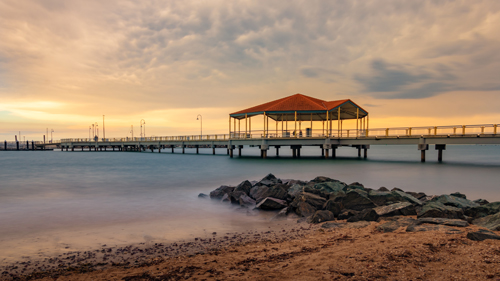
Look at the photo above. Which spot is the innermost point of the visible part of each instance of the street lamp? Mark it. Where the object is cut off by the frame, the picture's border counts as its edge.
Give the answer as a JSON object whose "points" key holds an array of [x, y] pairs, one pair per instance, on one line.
{"points": [[143, 125], [132, 131], [51, 131], [90, 129], [201, 124]]}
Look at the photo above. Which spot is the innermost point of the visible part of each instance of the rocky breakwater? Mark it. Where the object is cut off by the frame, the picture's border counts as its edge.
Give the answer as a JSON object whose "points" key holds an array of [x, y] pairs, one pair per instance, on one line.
{"points": [[324, 200]]}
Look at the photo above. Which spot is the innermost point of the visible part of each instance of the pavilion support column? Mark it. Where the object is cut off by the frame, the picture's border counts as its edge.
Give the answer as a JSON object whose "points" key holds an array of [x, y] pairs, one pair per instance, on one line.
{"points": [[295, 130], [440, 148]]}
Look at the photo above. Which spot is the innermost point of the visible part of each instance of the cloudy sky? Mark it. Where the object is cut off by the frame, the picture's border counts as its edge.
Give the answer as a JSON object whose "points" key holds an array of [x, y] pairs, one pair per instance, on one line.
{"points": [[64, 64]]}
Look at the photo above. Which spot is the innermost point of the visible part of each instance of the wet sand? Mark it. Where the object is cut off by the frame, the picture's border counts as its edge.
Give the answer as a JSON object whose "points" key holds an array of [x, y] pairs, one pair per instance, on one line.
{"points": [[287, 250]]}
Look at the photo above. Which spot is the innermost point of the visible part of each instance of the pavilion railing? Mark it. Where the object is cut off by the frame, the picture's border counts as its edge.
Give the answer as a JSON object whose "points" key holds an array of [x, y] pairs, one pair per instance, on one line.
{"points": [[428, 131]]}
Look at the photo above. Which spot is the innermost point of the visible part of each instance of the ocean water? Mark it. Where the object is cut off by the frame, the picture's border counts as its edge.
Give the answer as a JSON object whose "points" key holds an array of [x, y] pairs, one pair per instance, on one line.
{"points": [[52, 201]]}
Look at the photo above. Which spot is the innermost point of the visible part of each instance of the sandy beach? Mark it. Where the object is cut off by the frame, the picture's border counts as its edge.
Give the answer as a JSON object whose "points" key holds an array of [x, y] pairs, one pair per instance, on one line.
{"points": [[289, 250]]}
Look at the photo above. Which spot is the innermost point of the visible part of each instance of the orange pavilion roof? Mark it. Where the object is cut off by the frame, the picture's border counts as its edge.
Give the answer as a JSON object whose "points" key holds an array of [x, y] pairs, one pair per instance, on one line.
{"points": [[298, 102]]}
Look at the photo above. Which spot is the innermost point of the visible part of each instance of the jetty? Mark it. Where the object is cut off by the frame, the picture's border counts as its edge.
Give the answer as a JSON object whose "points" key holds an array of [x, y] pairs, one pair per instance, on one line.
{"points": [[295, 122]]}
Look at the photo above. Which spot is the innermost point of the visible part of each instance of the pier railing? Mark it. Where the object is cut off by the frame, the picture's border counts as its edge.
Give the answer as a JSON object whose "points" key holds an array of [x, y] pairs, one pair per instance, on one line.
{"points": [[426, 131]]}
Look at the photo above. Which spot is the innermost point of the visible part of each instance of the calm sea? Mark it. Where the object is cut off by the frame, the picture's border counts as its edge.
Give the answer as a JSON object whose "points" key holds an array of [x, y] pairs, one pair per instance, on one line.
{"points": [[52, 201]]}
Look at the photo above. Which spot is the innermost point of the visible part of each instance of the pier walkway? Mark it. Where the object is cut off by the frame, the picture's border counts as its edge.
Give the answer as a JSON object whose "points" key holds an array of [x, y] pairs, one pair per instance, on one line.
{"points": [[420, 137]]}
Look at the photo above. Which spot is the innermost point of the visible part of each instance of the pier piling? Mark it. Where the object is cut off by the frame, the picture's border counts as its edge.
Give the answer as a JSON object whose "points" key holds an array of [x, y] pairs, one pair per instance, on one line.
{"points": [[440, 148]]}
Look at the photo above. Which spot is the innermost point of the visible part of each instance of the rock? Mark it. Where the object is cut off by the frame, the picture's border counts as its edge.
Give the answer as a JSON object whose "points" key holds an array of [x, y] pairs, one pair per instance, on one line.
{"points": [[397, 189], [407, 197], [295, 189], [259, 192], [322, 216], [304, 209], [491, 222], [234, 196], [381, 198], [225, 198], [418, 195], [270, 203], [357, 200], [219, 192], [383, 188], [333, 225], [393, 225], [346, 214], [483, 210], [246, 201], [396, 209], [434, 209], [245, 186], [283, 214], [354, 185], [454, 201], [419, 228], [482, 235], [320, 179], [481, 202], [443, 221], [334, 207], [202, 195], [268, 180], [330, 187], [312, 199], [365, 215], [459, 195]]}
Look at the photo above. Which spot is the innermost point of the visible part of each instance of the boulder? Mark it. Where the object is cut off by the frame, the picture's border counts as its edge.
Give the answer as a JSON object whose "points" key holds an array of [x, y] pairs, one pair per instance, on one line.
{"points": [[246, 201], [334, 207], [245, 186], [320, 179], [346, 214], [433, 209], [202, 195], [225, 198], [295, 189], [396, 209], [418, 195], [383, 188], [312, 199], [322, 216], [491, 222], [304, 209], [481, 201], [394, 224], [354, 185], [357, 200], [454, 201], [365, 215], [482, 235], [259, 192], [397, 189], [443, 221], [219, 192], [381, 198], [268, 180], [330, 187], [459, 195], [270, 203], [234, 196], [483, 210], [407, 197]]}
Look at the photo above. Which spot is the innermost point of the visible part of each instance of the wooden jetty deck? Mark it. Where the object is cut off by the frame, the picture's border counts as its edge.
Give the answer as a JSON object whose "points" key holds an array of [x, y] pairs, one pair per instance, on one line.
{"points": [[420, 137]]}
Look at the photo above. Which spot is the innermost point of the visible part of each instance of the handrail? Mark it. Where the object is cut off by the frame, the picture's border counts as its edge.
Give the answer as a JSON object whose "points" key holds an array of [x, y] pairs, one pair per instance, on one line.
{"points": [[427, 131]]}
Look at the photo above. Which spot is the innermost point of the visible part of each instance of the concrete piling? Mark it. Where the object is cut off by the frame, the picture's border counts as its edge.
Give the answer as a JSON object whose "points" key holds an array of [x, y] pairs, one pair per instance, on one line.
{"points": [[440, 148]]}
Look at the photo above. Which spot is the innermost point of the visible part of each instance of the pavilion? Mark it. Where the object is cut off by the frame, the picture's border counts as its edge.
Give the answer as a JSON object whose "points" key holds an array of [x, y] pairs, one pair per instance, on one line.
{"points": [[300, 109]]}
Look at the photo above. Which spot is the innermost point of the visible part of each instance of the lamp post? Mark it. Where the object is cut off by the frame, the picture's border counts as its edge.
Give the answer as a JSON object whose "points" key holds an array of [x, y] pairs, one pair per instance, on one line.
{"points": [[51, 131], [143, 127], [132, 131], [201, 124], [90, 129], [103, 128]]}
